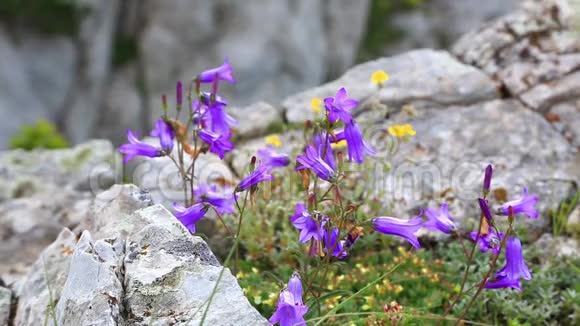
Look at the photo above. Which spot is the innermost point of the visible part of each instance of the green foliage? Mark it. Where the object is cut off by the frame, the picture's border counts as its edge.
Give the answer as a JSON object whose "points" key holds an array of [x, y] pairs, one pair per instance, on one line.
{"points": [[43, 134], [562, 213], [125, 50], [44, 16], [380, 30], [550, 298]]}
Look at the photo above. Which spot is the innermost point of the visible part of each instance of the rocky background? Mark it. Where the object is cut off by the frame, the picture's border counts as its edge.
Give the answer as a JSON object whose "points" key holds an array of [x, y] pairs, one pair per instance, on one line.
{"points": [[507, 92], [99, 67]]}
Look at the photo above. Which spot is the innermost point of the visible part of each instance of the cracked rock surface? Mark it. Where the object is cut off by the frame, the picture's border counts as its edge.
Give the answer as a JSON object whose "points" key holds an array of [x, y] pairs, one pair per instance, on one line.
{"points": [[134, 265]]}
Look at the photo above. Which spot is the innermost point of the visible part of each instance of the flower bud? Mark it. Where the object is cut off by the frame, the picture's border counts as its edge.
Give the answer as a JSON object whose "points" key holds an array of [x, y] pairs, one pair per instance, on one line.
{"points": [[485, 209], [179, 95], [164, 103], [487, 179]]}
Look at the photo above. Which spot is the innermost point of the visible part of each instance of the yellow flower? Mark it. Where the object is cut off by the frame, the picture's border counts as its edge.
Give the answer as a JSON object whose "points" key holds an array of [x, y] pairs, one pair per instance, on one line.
{"points": [[340, 145], [316, 104], [379, 77], [401, 130], [273, 140]]}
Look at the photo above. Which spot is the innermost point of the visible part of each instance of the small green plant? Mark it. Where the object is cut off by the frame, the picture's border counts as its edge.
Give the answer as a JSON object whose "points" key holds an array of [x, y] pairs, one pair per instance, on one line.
{"points": [[46, 16], [42, 134], [562, 213]]}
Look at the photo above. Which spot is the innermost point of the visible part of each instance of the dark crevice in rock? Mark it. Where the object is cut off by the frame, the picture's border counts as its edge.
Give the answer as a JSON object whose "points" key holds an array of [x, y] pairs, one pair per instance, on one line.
{"points": [[13, 308]]}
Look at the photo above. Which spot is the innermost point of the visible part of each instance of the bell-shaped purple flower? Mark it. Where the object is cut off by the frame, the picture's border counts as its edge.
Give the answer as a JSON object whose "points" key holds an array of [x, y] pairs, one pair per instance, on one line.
{"points": [[485, 209], [165, 133], [223, 202], [503, 283], [525, 205], [439, 219], [515, 266], [218, 144], [189, 216], [303, 221], [490, 241], [339, 106], [223, 72], [260, 174], [405, 229], [357, 146], [487, 179], [291, 309], [331, 243], [324, 167], [135, 147], [272, 159], [214, 114]]}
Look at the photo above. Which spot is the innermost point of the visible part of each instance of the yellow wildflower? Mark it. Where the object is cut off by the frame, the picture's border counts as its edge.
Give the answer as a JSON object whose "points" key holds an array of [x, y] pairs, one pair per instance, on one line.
{"points": [[401, 130], [379, 77], [316, 104], [273, 140], [340, 145]]}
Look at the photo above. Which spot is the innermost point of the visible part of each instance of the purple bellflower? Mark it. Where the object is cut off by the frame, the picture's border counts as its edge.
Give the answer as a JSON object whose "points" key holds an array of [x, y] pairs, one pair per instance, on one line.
{"points": [[405, 229], [214, 114], [260, 174], [504, 282], [357, 146], [165, 133], [525, 205], [308, 227], [439, 219], [323, 167], [218, 144], [223, 72], [189, 216], [331, 242], [223, 202], [290, 310], [490, 241], [515, 266], [272, 159], [135, 147], [339, 106]]}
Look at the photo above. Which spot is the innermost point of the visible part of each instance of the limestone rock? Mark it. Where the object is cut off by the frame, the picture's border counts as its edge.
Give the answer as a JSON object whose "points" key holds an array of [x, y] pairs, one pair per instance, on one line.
{"points": [[42, 191], [90, 166], [95, 35], [423, 78], [446, 159], [40, 290], [143, 268], [319, 41], [93, 293], [557, 247], [255, 119], [28, 225], [436, 23], [170, 274], [5, 305]]}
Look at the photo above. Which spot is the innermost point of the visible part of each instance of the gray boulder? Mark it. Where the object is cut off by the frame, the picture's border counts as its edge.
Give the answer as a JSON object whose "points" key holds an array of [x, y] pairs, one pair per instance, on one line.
{"points": [[5, 305], [423, 78], [143, 268]]}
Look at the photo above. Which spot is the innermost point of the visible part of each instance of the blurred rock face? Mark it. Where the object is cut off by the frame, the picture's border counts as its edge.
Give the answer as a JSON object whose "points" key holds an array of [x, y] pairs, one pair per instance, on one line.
{"points": [[276, 47]]}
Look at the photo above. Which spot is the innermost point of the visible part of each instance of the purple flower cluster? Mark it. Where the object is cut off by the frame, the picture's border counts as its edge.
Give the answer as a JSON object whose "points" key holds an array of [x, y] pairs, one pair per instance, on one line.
{"points": [[319, 157], [163, 131], [314, 228], [290, 310]]}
